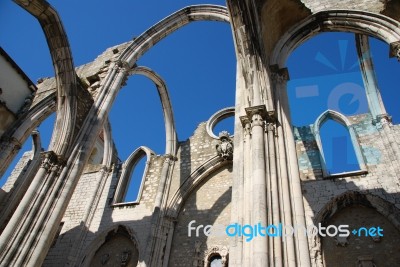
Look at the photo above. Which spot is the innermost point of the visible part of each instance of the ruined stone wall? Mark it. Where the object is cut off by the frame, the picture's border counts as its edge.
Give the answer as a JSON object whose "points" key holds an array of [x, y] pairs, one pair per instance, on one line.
{"points": [[13, 179], [207, 205], [322, 196], [91, 213]]}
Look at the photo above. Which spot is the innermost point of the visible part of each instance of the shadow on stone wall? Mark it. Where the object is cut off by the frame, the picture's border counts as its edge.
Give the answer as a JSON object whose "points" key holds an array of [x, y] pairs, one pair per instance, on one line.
{"points": [[356, 207]]}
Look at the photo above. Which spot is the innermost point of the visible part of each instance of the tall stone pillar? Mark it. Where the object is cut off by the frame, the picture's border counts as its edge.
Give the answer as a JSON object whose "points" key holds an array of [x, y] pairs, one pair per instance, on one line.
{"points": [[23, 227], [295, 247], [259, 245]]}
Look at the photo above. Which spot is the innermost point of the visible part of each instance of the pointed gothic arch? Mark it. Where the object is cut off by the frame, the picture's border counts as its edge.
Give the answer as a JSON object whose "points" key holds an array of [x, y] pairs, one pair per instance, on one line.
{"points": [[126, 174], [341, 119]]}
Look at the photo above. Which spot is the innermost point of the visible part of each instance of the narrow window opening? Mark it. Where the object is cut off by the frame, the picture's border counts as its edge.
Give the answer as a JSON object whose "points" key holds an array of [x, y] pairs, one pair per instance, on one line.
{"points": [[216, 261], [338, 149], [135, 181]]}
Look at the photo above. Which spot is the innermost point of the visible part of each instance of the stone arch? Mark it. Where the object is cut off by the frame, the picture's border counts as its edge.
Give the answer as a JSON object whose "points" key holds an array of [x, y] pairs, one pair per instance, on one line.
{"points": [[387, 209], [126, 173], [119, 70], [16, 136], [105, 236], [191, 182], [217, 117], [168, 25], [66, 81], [108, 145], [221, 251], [352, 199], [341, 119], [170, 130], [360, 22]]}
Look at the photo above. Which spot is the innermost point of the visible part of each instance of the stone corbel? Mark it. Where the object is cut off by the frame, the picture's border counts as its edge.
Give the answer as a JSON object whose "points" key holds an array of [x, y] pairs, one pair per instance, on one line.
{"points": [[10, 142], [279, 75], [394, 50]]}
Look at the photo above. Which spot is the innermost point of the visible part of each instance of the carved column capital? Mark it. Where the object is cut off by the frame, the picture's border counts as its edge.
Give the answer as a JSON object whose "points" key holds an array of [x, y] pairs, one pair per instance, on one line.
{"points": [[256, 115], [246, 125], [394, 50], [51, 162]]}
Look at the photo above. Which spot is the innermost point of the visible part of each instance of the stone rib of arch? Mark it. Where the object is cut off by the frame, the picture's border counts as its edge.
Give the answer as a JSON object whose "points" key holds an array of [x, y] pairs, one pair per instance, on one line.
{"points": [[191, 182], [170, 24], [170, 130], [64, 71], [355, 21]]}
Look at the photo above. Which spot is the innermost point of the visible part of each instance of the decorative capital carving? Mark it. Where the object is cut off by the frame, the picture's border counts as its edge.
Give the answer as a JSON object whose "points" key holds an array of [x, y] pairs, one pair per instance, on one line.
{"points": [[246, 125], [270, 127], [225, 146], [394, 50], [51, 162], [256, 110], [381, 120]]}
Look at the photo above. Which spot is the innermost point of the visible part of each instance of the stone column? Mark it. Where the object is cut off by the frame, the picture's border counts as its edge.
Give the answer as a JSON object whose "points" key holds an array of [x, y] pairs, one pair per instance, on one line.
{"points": [[246, 174], [259, 190], [10, 203], [296, 251], [21, 228], [274, 191]]}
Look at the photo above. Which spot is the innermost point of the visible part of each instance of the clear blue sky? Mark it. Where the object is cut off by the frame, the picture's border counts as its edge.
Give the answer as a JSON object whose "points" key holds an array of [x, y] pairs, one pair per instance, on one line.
{"points": [[197, 63]]}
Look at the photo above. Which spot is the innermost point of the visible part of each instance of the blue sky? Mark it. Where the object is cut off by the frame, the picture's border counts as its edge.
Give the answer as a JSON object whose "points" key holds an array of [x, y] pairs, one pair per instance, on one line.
{"points": [[197, 62]]}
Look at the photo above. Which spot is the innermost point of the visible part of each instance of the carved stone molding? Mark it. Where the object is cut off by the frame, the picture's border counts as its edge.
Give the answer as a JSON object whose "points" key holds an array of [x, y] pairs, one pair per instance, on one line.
{"points": [[225, 146], [51, 162], [394, 50], [246, 125]]}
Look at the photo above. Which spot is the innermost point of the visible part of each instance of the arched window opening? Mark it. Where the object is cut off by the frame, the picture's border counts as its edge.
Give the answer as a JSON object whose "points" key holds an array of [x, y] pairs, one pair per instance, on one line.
{"points": [[135, 181], [215, 261], [340, 152], [338, 149], [132, 177]]}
